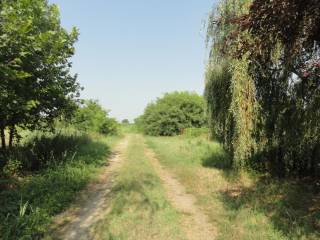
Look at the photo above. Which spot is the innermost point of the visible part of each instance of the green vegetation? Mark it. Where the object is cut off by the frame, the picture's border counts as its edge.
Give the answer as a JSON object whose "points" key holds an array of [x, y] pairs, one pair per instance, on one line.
{"points": [[36, 84], [262, 84], [173, 113], [139, 208], [196, 132], [241, 206], [65, 163], [261, 102], [41, 174], [125, 121], [91, 117]]}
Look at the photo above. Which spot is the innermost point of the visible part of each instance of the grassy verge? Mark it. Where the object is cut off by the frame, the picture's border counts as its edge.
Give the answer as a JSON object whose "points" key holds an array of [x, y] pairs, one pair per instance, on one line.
{"points": [[138, 208], [59, 167], [241, 206]]}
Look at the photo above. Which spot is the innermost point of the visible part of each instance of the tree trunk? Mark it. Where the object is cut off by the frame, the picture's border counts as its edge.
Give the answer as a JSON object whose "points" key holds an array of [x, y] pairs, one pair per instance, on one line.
{"points": [[3, 138], [11, 136]]}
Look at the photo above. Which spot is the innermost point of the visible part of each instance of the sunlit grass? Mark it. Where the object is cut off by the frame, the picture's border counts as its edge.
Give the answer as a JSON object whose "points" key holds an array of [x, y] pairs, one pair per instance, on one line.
{"points": [[242, 206], [139, 208]]}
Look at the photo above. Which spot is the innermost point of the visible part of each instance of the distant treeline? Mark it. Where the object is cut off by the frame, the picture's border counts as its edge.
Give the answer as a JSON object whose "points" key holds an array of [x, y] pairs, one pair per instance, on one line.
{"points": [[263, 84]]}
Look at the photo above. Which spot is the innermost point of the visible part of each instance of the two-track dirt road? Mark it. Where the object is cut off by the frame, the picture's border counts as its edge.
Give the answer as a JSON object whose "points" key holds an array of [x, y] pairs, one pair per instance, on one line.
{"points": [[78, 221]]}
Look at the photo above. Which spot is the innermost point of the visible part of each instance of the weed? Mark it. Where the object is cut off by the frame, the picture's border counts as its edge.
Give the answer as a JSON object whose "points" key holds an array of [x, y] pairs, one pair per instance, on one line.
{"points": [[64, 164]]}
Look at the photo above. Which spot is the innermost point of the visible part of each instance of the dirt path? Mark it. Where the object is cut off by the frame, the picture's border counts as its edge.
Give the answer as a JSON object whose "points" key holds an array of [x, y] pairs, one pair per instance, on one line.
{"points": [[194, 222], [77, 222]]}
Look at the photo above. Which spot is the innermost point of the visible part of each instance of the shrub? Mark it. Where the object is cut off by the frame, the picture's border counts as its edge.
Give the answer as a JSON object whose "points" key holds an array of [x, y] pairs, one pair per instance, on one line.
{"points": [[109, 127], [173, 113], [91, 117], [42, 150]]}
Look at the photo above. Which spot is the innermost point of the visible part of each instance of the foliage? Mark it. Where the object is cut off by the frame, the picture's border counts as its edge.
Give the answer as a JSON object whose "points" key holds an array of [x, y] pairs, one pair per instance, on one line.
{"points": [[272, 48], [109, 126], [125, 121], [173, 113], [244, 109], [218, 96], [285, 67], [91, 117], [229, 91], [36, 84], [28, 204]]}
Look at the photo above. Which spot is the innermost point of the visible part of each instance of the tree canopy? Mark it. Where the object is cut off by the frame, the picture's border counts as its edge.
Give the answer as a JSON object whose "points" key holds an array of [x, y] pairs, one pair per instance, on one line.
{"points": [[173, 113], [36, 84], [266, 99], [91, 117]]}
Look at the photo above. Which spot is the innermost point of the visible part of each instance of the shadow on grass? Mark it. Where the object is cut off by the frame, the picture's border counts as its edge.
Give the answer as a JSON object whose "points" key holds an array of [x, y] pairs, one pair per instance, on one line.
{"points": [[133, 201], [27, 206], [292, 207], [132, 193], [217, 158]]}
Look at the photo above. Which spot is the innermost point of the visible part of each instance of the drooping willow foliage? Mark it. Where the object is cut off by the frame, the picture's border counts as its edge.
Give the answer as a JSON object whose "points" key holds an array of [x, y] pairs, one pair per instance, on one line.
{"points": [[269, 85]]}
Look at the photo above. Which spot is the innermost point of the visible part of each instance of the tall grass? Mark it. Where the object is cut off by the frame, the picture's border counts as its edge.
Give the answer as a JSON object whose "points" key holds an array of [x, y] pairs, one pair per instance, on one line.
{"points": [[243, 206], [52, 169]]}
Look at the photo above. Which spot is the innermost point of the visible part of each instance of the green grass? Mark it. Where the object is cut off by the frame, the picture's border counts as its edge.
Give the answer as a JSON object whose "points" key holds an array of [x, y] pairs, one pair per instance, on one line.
{"points": [[128, 128], [242, 206], [139, 208], [30, 200]]}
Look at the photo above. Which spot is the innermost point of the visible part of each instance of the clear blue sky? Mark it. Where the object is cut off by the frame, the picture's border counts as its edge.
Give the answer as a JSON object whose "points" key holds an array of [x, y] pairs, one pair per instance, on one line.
{"points": [[130, 52]]}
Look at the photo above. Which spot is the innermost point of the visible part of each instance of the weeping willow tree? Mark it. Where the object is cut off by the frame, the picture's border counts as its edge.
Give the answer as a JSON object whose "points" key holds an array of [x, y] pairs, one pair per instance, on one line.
{"points": [[263, 83], [285, 66], [230, 92]]}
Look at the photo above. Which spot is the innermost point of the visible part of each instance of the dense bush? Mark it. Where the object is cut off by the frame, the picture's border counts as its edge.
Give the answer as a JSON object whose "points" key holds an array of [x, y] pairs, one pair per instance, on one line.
{"points": [[42, 150], [173, 113], [91, 117]]}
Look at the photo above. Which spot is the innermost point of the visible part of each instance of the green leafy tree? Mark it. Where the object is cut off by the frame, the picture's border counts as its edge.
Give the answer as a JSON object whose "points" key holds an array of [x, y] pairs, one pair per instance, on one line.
{"points": [[36, 85], [125, 121], [91, 117], [173, 113]]}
